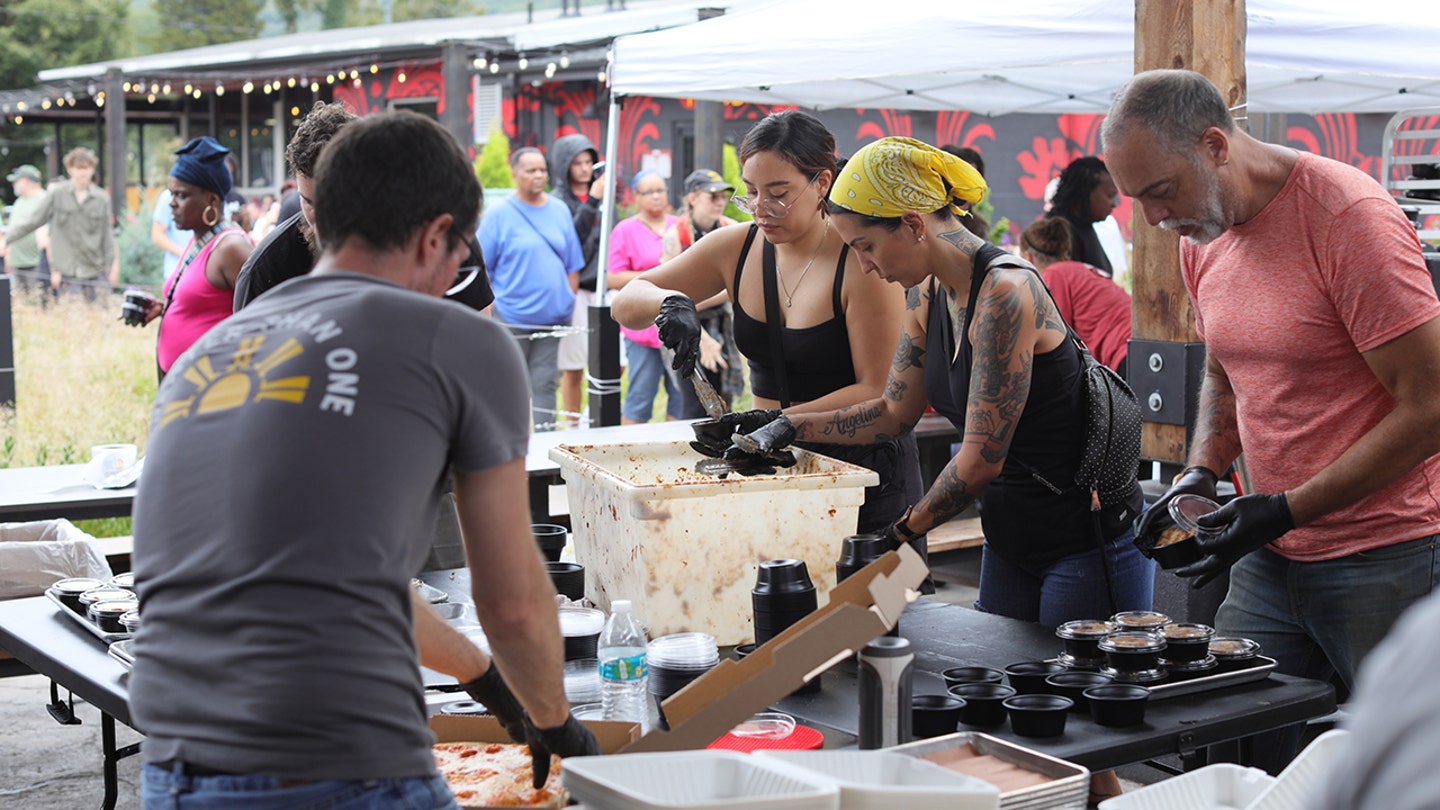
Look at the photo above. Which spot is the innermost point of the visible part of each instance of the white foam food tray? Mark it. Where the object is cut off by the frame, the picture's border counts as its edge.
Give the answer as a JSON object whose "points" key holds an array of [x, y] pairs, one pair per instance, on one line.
{"points": [[883, 780], [1213, 787], [694, 780], [1305, 774]]}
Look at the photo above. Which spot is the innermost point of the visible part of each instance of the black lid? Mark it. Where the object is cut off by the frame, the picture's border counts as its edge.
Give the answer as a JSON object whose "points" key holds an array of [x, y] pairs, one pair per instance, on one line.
{"points": [[783, 576]]}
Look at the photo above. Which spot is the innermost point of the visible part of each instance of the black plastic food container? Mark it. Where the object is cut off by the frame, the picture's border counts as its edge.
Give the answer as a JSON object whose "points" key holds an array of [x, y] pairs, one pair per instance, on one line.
{"points": [[935, 715], [1028, 677], [1038, 715], [984, 702], [1073, 685], [955, 676], [1118, 704], [68, 591], [1082, 642], [1187, 642]]}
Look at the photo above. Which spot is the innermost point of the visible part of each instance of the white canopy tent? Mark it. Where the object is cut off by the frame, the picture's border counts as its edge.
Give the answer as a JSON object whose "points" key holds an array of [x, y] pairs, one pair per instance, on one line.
{"points": [[1023, 56]]}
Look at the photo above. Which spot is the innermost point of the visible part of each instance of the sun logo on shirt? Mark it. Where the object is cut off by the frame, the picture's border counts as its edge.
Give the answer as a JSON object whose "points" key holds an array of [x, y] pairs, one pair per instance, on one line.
{"points": [[244, 380]]}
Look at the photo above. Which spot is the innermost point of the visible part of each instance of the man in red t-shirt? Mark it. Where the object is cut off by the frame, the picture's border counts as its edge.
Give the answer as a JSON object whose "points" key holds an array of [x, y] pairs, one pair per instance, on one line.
{"points": [[1322, 331]]}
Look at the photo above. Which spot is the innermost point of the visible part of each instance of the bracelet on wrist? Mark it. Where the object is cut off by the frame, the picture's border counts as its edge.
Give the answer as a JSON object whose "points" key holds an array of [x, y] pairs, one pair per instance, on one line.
{"points": [[902, 528]]}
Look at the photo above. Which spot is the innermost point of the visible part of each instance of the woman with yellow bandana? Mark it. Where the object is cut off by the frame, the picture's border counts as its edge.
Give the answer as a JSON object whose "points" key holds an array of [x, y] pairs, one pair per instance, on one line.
{"points": [[834, 325], [984, 344]]}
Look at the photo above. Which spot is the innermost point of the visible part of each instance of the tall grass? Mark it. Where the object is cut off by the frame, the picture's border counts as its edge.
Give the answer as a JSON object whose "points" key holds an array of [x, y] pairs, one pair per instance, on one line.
{"points": [[82, 378]]}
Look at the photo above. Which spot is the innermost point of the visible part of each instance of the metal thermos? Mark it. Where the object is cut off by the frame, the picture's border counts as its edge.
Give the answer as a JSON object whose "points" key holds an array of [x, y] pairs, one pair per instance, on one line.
{"points": [[887, 669]]}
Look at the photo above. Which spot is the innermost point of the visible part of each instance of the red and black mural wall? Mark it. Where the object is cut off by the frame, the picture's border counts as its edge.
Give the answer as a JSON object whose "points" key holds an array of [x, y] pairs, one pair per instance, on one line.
{"points": [[1022, 152]]}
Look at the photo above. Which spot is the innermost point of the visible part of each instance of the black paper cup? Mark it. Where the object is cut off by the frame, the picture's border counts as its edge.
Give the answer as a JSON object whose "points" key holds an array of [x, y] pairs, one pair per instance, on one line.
{"points": [[984, 703], [568, 579], [551, 539], [935, 715], [1073, 685], [1117, 704], [1038, 715], [1028, 677]]}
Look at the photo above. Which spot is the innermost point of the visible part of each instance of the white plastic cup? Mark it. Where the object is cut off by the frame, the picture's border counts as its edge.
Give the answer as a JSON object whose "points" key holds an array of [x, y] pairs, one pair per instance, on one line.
{"points": [[113, 459]]}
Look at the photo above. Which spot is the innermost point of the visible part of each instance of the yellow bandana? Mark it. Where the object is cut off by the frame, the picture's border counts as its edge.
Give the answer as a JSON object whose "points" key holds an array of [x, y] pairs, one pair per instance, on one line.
{"points": [[894, 175]]}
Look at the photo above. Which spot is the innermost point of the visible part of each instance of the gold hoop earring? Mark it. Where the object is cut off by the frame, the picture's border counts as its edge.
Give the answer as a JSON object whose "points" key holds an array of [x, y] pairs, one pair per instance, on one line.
{"points": [[209, 212]]}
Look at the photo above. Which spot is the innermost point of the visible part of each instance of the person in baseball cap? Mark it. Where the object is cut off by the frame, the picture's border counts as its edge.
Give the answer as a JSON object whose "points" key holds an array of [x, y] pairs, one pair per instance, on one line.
{"points": [[706, 180], [25, 171]]}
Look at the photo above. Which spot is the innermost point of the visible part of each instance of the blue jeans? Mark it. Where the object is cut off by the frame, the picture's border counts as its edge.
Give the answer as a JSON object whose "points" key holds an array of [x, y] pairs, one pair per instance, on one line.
{"points": [[1070, 588], [1318, 619], [542, 358], [163, 790], [647, 369]]}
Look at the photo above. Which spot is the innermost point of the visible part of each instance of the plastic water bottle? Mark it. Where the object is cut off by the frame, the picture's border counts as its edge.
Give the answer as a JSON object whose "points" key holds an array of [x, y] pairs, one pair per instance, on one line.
{"points": [[624, 693]]}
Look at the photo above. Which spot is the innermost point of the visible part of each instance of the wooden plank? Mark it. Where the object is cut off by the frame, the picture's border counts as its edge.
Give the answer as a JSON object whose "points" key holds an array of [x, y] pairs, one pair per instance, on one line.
{"points": [[1207, 36], [955, 534]]}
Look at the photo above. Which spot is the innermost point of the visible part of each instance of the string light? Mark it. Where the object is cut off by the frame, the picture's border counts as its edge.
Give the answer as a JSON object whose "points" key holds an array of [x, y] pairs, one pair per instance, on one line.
{"points": [[355, 75], [524, 62], [154, 88], [330, 78], [294, 111], [150, 98], [400, 77], [166, 88], [248, 87], [45, 105], [125, 86], [20, 105], [478, 63], [315, 87], [494, 67], [290, 82], [374, 69], [19, 119], [600, 77], [564, 59], [188, 87], [219, 89], [197, 93], [100, 100], [357, 82]]}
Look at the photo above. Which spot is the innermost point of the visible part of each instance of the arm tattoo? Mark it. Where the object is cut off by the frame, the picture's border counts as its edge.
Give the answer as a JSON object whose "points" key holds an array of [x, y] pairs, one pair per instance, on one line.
{"points": [[997, 394], [895, 389], [1046, 314], [908, 354], [849, 421], [948, 496]]}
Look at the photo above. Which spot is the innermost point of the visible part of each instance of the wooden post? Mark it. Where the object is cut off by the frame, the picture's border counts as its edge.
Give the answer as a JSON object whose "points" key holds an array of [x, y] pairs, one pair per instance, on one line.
{"points": [[1206, 36]]}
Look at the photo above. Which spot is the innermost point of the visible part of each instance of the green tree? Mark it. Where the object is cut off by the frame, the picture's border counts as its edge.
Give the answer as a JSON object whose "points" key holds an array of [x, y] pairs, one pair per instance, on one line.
{"points": [[195, 23], [289, 11], [492, 167], [731, 171], [40, 34]]}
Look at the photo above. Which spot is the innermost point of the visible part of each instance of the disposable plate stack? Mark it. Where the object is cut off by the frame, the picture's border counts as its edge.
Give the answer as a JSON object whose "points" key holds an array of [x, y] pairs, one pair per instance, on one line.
{"points": [[694, 780], [882, 780]]}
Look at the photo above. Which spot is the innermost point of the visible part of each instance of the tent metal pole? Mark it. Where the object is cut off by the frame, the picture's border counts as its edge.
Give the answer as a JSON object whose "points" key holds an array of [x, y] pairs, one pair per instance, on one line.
{"points": [[604, 383]]}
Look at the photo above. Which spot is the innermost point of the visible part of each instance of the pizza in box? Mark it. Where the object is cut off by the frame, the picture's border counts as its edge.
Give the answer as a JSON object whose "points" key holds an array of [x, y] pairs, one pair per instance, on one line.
{"points": [[487, 774]]}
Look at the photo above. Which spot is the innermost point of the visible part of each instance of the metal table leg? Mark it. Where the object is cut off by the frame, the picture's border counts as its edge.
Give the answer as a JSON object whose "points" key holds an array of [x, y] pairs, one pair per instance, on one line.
{"points": [[112, 756]]}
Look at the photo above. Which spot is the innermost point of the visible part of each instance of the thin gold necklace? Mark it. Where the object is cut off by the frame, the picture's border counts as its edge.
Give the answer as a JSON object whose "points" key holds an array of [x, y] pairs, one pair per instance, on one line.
{"points": [[789, 298]]}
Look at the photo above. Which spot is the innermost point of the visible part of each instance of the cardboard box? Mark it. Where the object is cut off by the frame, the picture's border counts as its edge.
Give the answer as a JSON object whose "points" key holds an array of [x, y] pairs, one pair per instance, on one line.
{"points": [[611, 735], [684, 547], [862, 607]]}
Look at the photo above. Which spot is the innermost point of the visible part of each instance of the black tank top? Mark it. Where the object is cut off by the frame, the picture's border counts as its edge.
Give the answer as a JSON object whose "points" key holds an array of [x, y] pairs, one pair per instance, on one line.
{"points": [[1024, 521], [817, 358]]}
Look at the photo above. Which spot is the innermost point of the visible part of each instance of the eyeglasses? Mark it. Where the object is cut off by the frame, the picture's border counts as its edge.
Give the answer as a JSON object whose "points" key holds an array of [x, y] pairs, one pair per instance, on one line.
{"points": [[769, 207]]}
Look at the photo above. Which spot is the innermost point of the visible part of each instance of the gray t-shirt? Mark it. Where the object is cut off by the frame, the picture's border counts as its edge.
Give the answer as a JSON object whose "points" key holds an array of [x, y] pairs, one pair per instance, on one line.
{"points": [[295, 458]]}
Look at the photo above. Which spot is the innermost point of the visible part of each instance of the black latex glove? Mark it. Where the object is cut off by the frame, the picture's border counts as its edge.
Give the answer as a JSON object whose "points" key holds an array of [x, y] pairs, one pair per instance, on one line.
{"points": [[1234, 530], [749, 421], [679, 326], [490, 689], [776, 434], [570, 739], [1193, 481]]}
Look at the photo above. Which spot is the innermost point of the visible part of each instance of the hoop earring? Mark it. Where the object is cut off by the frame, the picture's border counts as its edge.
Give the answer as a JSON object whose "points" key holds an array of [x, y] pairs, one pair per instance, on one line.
{"points": [[209, 212]]}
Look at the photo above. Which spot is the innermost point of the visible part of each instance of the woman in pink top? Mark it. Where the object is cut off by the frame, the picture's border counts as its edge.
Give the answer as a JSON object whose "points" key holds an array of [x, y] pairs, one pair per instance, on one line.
{"points": [[201, 293], [636, 245]]}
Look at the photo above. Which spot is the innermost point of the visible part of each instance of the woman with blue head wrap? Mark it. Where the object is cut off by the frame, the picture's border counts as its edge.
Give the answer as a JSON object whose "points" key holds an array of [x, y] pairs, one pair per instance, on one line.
{"points": [[201, 293]]}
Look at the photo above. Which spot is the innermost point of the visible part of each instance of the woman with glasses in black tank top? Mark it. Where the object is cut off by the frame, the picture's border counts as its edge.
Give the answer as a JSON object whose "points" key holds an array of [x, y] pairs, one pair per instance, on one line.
{"points": [[835, 326]]}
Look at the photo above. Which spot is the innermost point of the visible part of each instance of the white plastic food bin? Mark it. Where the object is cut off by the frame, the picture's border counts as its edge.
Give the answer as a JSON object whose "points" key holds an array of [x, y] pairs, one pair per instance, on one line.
{"points": [[883, 780], [1213, 787], [684, 547], [693, 780]]}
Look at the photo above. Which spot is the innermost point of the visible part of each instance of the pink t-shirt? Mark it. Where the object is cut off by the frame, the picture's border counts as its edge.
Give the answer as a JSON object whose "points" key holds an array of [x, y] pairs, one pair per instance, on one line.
{"points": [[195, 307], [1288, 302], [1094, 305], [633, 246]]}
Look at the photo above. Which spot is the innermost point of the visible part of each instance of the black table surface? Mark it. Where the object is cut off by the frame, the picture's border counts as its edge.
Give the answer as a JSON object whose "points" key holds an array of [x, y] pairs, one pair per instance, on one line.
{"points": [[35, 631], [944, 636]]}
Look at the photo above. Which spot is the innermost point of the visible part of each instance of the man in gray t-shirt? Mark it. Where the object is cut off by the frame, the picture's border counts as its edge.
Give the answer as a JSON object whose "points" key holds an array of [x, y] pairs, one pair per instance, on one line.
{"points": [[296, 455]]}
